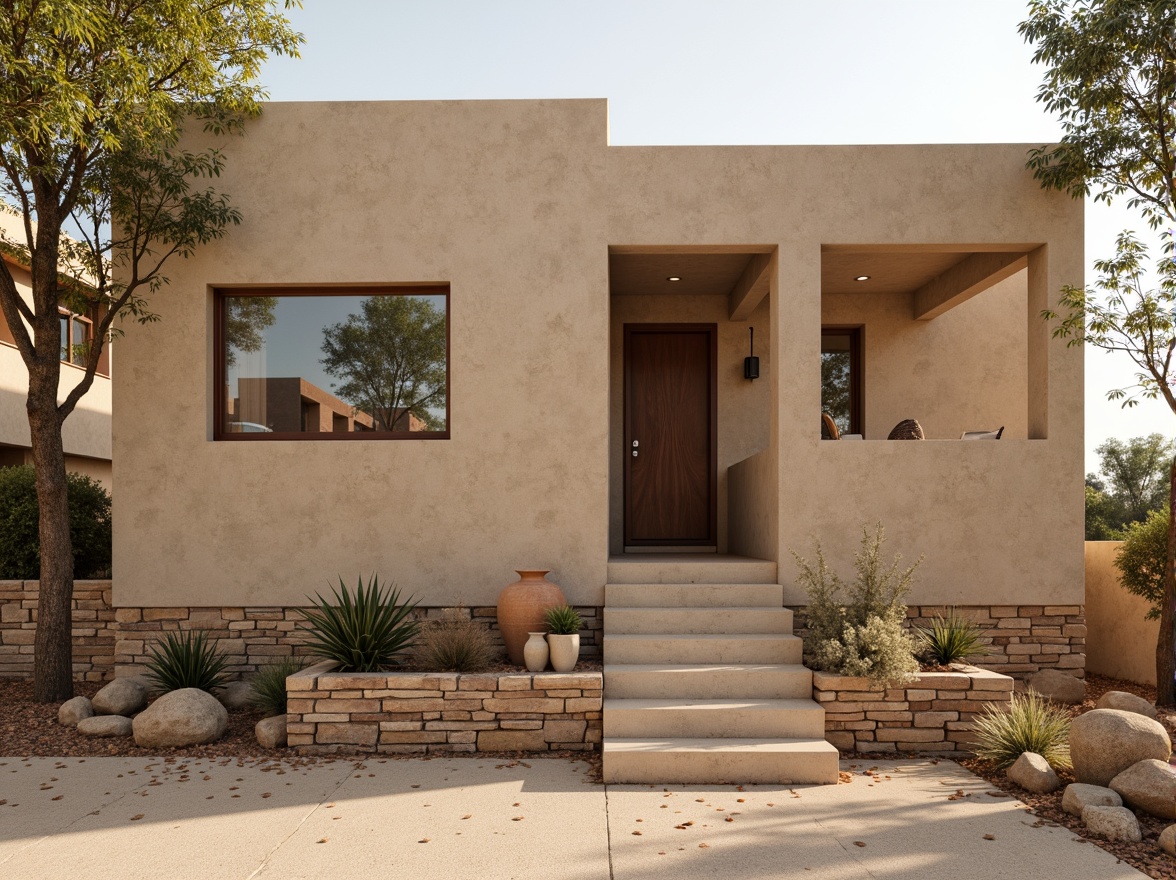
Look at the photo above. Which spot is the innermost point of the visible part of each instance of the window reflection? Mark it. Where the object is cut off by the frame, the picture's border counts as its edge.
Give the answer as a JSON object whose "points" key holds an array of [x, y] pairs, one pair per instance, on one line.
{"points": [[335, 364], [839, 397]]}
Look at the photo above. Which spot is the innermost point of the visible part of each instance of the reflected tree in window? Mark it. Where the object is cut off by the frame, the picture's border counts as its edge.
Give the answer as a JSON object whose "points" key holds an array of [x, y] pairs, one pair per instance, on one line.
{"points": [[835, 395], [391, 361], [246, 320]]}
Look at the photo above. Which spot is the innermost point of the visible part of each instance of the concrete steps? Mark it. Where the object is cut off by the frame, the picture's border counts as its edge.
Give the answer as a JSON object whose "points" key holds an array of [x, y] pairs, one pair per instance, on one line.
{"points": [[703, 681]]}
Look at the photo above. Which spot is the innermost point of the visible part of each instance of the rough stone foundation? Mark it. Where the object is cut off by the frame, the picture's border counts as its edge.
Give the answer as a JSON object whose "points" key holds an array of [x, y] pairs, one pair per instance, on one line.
{"points": [[1022, 639], [443, 711], [109, 641], [931, 713]]}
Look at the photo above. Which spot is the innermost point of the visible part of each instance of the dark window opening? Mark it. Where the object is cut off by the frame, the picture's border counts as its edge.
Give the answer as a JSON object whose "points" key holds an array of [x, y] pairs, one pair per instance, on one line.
{"points": [[841, 383]]}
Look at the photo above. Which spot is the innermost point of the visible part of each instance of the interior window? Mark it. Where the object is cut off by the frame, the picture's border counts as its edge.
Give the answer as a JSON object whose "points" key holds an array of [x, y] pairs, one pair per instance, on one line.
{"points": [[841, 377]]}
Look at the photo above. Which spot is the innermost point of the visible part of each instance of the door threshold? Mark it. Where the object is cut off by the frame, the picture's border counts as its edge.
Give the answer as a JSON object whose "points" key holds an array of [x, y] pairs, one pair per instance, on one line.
{"points": [[671, 549]]}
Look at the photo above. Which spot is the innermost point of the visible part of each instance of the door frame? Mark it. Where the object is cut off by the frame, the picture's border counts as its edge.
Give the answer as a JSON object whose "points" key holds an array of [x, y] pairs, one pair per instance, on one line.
{"points": [[712, 331]]}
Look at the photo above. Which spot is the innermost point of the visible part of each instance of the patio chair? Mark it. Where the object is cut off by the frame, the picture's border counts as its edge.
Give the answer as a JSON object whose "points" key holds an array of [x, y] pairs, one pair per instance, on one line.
{"points": [[829, 429], [907, 429], [982, 435]]}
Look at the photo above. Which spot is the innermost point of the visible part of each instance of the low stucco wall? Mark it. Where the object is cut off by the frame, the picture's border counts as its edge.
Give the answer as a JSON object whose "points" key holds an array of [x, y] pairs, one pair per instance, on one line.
{"points": [[1120, 641]]}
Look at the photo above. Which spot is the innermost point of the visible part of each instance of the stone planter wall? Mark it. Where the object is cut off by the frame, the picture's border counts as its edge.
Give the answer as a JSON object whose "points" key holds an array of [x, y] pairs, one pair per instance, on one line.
{"points": [[1022, 639], [931, 713], [443, 711], [111, 641]]}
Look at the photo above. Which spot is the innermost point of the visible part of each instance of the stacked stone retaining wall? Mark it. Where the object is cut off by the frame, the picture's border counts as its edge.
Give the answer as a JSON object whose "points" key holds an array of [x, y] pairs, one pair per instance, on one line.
{"points": [[443, 712], [112, 640], [934, 712]]}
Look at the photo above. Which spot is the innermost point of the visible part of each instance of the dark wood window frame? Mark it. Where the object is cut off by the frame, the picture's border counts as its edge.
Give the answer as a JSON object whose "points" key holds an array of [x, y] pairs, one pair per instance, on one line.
{"points": [[220, 378], [856, 371]]}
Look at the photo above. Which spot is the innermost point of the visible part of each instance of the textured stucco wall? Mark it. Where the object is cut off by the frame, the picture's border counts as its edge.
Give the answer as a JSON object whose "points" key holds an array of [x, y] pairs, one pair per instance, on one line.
{"points": [[514, 205], [1121, 641]]}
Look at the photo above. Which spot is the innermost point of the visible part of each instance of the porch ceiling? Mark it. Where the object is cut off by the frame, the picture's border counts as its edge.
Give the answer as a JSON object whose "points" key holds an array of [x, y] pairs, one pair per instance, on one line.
{"points": [[889, 272], [701, 274]]}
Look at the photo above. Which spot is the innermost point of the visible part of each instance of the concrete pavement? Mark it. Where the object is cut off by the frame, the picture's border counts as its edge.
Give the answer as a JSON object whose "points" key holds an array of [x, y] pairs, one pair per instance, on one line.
{"points": [[478, 817]]}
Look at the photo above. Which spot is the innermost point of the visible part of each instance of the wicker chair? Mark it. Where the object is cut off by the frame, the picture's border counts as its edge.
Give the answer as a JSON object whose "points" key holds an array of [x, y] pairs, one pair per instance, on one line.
{"points": [[907, 429], [829, 429]]}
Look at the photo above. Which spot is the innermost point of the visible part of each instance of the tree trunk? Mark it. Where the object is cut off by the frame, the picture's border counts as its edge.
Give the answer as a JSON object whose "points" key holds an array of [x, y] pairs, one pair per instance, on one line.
{"points": [[53, 644], [1166, 641]]}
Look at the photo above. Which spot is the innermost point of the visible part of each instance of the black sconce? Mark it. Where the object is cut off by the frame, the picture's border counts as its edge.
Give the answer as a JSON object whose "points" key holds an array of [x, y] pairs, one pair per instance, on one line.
{"points": [[751, 362]]}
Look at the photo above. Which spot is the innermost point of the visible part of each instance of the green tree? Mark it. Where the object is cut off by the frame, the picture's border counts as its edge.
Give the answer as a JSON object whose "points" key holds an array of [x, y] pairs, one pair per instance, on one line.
{"points": [[94, 98], [1142, 559], [246, 320], [391, 359], [835, 399], [1133, 481], [1111, 80]]}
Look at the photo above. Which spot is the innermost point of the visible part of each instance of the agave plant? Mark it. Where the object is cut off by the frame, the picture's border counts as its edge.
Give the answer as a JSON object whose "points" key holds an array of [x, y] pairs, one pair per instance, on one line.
{"points": [[187, 660], [563, 620], [365, 632], [269, 685], [950, 640]]}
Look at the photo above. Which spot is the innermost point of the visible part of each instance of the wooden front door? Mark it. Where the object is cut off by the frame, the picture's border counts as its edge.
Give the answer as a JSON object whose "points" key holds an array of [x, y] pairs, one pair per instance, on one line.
{"points": [[670, 434]]}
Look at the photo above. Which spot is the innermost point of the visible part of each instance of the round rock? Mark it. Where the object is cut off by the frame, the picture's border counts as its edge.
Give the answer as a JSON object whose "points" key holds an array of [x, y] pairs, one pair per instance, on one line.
{"points": [[1112, 823], [105, 725], [1079, 795], [271, 732], [1033, 773], [1058, 686], [1127, 703], [1168, 840], [236, 695], [1149, 785], [186, 717], [123, 696], [1105, 742], [73, 711]]}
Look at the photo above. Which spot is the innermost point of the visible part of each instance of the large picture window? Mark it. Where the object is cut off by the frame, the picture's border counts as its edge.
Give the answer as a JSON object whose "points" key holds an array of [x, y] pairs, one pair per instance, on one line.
{"points": [[332, 364], [841, 370]]}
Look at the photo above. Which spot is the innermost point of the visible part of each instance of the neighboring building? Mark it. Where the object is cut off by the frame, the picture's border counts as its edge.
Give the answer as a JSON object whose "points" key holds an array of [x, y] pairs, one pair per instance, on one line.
{"points": [[86, 432], [567, 322]]}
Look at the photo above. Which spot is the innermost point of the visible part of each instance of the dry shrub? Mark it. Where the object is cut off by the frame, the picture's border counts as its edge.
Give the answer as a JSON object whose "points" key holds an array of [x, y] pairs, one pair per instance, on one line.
{"points": [[455, 644]]}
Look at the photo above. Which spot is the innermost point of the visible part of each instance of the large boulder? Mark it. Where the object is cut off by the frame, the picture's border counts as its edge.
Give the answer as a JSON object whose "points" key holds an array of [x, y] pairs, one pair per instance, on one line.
{"points": [[1105, 742], [1150, 786], [1112, 823], [123, 696], [105, 725], [186, 717], [1078, 796], [1033, 773], [1126, 702], [236, 695], [73, 711], [1060, 687], [271, 732]]}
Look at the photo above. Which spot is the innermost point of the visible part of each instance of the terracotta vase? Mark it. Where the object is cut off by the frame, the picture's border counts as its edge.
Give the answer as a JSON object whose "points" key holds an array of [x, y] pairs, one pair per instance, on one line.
{"points": [[535, 652], [521, 609]]}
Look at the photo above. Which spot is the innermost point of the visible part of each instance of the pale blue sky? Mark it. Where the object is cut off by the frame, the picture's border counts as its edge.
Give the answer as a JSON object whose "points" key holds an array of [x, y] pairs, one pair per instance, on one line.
{"points": [[711, 72]]}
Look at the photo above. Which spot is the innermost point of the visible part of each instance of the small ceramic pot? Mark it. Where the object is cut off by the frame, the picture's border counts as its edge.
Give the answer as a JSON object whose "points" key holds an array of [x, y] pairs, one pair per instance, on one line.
{"points": [[535, 652], [565, 651]]}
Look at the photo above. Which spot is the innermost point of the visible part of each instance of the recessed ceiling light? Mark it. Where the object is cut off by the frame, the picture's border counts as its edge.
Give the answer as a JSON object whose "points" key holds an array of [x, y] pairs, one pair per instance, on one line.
{"points": [[862, 278], [674, 278]]}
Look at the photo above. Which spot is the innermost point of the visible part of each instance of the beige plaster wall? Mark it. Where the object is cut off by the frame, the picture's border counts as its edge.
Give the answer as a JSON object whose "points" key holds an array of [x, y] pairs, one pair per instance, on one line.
{"points": [[744, 416], [1120, 640], [998, 522], [515, 204]]}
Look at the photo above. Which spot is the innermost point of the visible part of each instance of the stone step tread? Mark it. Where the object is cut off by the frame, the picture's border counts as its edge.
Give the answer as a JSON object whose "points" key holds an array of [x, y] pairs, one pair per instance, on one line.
{"points": [[707, 680], [767, 704], [698, 619], [688, 668], [704, 745], [695, 595], [748, 637]]}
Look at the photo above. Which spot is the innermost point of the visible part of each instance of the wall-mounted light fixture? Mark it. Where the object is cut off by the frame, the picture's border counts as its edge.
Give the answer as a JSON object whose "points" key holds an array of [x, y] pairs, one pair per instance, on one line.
{"points": [[751, 362]]}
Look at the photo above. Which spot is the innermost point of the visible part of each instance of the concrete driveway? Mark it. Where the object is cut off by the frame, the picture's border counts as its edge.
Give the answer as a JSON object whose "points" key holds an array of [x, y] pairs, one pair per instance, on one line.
{"points": [[477, 817]]}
